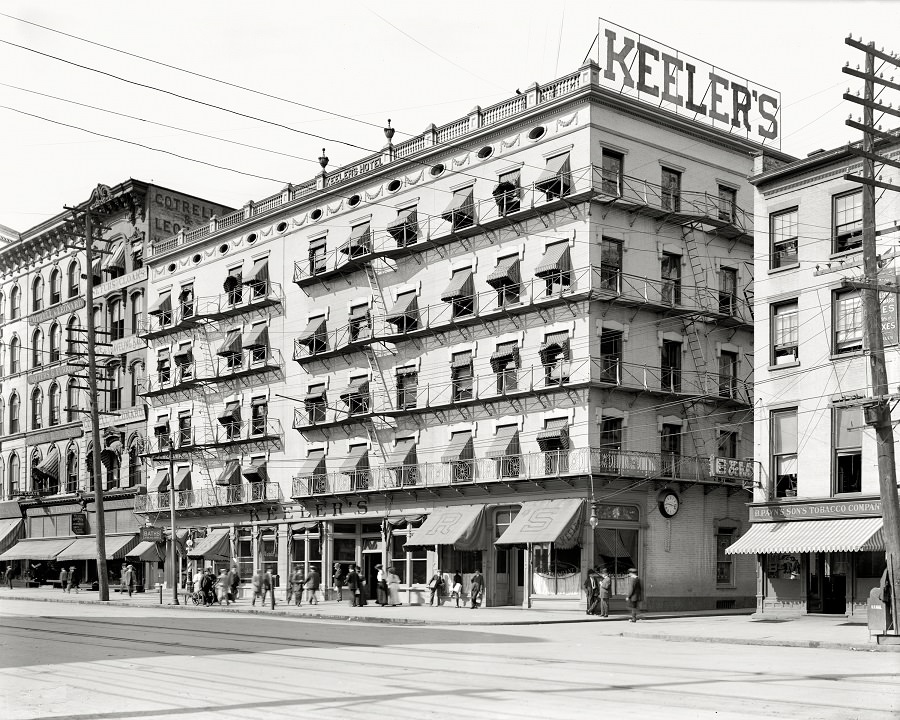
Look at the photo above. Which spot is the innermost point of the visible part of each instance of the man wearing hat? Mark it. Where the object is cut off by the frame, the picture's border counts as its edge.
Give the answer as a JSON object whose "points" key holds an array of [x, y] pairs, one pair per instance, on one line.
{"points": [[603, 591], [636, 594]]}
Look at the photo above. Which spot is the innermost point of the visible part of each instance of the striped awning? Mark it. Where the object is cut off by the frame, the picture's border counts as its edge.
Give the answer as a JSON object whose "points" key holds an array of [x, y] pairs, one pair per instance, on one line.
{"points": [[359, 240], [255, 470], [556, 260], [506, 273], [116, 259], [358, 386], [258, 337], [555, 177], [231, 473], [799, 536], [111, 454], [407, 306], [461, 360], [48, 469], [540, 521], [461, 204], [459, 448], [231, 345], [460, 286], [37, 549], [85, 548], [357, 459], [555, 436], [316, 326], [162, 305], [10, 531], [506, 442], [259, 273], [506, 353], [403, 227]]}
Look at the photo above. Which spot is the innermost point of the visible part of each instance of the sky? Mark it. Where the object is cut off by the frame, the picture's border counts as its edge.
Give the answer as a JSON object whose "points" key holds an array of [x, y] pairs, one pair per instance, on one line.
{"points": [[341, 69]]}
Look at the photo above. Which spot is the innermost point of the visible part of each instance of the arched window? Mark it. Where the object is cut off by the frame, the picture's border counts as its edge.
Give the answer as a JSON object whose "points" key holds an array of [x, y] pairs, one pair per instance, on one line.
{"points": [[37, 409], [37, 484], [74, 279], [89, 465], [71, 469], [134, 462], [114, 396], [55, 342], [37, 294], [15, 302], [73, 337], [116, 319], [98, 319], [137, 313], [137, 382], [72, 400], [14, 414], [37, 348], [54, 404], [55, 286], [14, 478], [14, 355]]}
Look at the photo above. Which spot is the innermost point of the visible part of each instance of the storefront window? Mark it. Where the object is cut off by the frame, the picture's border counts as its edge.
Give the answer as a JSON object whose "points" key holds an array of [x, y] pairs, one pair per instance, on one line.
{"points": [[269, 551], [556, 571], [306, 553], [410, 564], [616, 550], [724, 564], [245, 555]]}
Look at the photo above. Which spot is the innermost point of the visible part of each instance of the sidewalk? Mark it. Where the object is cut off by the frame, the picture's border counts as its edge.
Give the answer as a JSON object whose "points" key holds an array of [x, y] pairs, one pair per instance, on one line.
{"points": [[715, 626]]}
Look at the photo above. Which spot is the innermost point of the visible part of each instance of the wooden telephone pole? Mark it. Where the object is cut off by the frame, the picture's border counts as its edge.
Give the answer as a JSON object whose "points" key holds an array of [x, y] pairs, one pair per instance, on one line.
{"points": [[877, 410]]}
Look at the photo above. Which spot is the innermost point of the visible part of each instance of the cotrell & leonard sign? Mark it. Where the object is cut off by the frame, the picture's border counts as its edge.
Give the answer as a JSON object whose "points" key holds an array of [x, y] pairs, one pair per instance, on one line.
{"points": [[650, 71]]}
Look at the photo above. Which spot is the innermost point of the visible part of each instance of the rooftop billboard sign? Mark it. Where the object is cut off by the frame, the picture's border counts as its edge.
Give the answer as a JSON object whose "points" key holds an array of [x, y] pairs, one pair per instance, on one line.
{"points": [[634, 65]]}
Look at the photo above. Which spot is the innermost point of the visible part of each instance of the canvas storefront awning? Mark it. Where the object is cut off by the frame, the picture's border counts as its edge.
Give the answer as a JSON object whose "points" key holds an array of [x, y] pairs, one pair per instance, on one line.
{"points": [[85, 548], [800, 536], [541, 521], [146, 551], [37, 549], [462, 526], [215, 546], [10, 532]]}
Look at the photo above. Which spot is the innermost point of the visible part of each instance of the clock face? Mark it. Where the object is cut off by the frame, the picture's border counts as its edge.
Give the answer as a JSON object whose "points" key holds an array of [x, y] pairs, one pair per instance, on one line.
{"points": [[669, 504]]}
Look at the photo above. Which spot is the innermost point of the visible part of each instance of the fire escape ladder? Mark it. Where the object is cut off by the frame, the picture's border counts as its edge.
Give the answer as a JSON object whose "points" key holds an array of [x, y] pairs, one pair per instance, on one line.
{"points": [[378, 310], [698, 273]]}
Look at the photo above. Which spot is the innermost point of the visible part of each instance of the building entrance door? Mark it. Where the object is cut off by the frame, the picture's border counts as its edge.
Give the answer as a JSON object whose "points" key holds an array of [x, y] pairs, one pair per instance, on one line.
{"points": [[827, 583], [371, 556], [509, 563]]}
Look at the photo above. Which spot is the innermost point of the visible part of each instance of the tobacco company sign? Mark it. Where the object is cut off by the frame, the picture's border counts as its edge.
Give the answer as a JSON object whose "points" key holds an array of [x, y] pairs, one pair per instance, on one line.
{"points": [[816, 510], [635, 65]]}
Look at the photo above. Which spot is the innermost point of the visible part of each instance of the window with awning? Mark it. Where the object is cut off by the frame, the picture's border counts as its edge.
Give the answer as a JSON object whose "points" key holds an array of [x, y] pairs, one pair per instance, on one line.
{"points": [[357, 459], [162, 306], [460, 447], [460, 212], [231, 415], [506, 273], [404, 228], [557, 521], [554, 347], [115, 261], [258, 278], [359, 242], [356, 396], [554, 436], [159, 482], [111, 454], [505, 442], [460, 286], [360, 325], [257, 338], [462, 526], [508, 192], [315, 335], [231, 345], [255, 470], [404, 453], [183, 479], [314, 464], [556, 261], [556, 178], [405, 313], [230, 475], [48, 468], [184, 355], [506, 355]]}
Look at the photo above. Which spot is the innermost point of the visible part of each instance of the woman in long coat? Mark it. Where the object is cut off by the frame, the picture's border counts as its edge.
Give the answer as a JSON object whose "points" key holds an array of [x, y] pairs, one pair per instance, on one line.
{"points": [[382, 586], [393, 583]]}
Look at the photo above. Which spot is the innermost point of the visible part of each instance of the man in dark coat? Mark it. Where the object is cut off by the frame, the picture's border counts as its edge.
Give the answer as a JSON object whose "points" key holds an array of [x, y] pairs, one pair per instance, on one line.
{"points": [[354, 585], [436, 585], [591, 592], [604, 591], [234, 582], [64, 579], [636, 595], [476, 588]]}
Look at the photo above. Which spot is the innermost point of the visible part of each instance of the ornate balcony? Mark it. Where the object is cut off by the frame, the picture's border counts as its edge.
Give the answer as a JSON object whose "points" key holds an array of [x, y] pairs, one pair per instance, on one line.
{"points": [[227, 496], [245, 435], [248, 363]]}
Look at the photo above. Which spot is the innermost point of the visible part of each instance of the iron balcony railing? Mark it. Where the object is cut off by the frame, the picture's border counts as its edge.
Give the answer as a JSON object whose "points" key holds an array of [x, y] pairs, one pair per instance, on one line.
{"points": [[204, 437], [181, 376], [210, 497], [590, 282], [575, 185], [610, 463]]}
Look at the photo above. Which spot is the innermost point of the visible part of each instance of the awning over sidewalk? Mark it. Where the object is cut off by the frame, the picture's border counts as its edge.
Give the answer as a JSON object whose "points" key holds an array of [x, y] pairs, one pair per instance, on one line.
{"points": [[10, 532], [85, 548], [37, 549], [799, 536], [541, 521], [462, 526], [215, 546], [146, 551]]}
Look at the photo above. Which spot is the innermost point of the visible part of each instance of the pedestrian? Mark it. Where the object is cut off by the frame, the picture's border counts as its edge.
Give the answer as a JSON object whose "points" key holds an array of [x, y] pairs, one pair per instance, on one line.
{"points": [[381, 585], [197, 581], [337, 577], [476, 588], [269, 586], [256, 586], [74, 581], [296, 590], [393, 582], [64, 579], [207, 587], [311, 583], [592, 593], [603, 593], [354, 586], [636, 595], [128, 578], [8, 575], [222, 586], [234, 582], [456, 591], [435, 585]]}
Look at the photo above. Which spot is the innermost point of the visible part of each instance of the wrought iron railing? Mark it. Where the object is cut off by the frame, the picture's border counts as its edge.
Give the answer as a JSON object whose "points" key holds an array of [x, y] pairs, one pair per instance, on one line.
{"points": [[210, 497]]}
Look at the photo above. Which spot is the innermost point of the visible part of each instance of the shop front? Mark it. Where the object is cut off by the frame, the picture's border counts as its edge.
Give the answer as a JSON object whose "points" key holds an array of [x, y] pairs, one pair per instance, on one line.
{"points": [[819, 557]]}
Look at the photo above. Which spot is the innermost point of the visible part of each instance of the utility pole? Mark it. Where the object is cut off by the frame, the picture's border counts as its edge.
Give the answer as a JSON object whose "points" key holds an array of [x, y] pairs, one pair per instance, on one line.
{"points": [[100, 529], [877, 411], [173, 557]]}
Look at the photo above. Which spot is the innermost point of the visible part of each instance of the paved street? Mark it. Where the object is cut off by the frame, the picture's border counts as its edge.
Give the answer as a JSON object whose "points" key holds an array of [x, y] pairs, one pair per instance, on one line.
{"points": [[86, 661]]}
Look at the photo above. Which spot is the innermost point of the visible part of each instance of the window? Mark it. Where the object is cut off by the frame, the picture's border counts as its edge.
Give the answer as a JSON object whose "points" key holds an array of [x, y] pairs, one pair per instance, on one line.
{"points": [[460, 455], [317, 263], [727, 203], [161, 433], [135, 476], [611, 172], [505, 364], [784, 231], [506, 279], [72, 401], [611, 265], [2, 319], [184, 362], [14, 355], [55, 286], [116, 316], [244, 557], [785, 333], [315, 403], [670, 447], [611, 433], [670, 365], [137, 256], [405, 314], [306, 552], [670, 272], [508, 193], [37, 348], [259, 411], [724, 563], [55, 342], [728, 291], [162, 308], [73, 336], [462, 376], [728, 375], [163, 367], [360, 241], [186, 301], [54, 404], [671, 190], [14, 475], [405, 227], [37, 294], [556, 179], [360, 323], [356, 396], [71, 471], [407, 388], [137, 312], [847, 423], [783, 438], [234, 288], [460, 213], [847, 322], [37, 409], [555, 268], [847, 213], [15, 303], [185, 436], [460, 293], [611, 356], [555, 354], [114, 387], [727, 444], [137, 382], [73, 276]]}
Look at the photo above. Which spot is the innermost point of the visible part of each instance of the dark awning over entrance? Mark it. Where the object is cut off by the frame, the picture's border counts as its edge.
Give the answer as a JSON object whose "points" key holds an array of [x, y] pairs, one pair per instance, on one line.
{"points": [[215, 546]]}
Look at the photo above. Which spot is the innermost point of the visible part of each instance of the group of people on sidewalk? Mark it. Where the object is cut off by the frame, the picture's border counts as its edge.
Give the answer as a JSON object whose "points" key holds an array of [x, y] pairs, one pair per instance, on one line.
{"points": [[598, 590], [210, 589], [476, 588], [68, 580], [387, 585]]}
